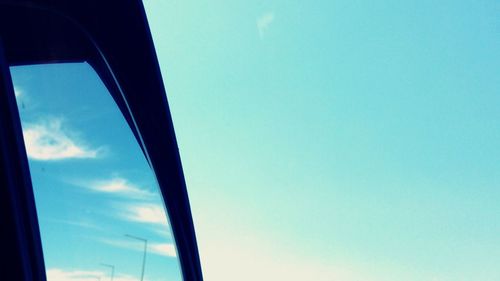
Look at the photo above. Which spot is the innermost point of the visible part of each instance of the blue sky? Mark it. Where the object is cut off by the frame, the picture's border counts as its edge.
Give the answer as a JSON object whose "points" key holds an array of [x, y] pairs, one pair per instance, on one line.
{"points": [[337, 140], [321, 140], [91, 181]]}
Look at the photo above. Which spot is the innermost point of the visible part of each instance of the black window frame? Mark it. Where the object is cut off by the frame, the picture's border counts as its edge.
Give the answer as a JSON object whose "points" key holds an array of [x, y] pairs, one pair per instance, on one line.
{"points": [[113, 36]]}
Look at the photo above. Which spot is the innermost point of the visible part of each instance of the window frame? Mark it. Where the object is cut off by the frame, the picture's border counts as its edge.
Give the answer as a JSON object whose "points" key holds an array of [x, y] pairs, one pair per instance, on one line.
{"points": [[114, 38]]}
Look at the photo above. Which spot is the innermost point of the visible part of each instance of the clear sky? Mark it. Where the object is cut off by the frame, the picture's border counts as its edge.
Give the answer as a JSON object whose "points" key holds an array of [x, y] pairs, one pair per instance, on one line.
{"points": [[321, 140], [338, 140]]}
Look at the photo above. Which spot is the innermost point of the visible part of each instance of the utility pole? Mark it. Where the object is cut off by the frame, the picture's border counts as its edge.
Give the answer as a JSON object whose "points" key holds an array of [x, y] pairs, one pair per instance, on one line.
{"points": [[145, 250], [112, 269]]}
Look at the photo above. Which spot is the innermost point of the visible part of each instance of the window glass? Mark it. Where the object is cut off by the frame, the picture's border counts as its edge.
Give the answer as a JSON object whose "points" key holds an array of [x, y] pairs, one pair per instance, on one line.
{"points": [[100, 212]]}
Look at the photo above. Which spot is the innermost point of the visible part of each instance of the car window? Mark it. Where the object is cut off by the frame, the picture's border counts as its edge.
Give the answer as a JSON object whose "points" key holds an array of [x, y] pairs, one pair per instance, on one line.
{"points": [[99, 208]]}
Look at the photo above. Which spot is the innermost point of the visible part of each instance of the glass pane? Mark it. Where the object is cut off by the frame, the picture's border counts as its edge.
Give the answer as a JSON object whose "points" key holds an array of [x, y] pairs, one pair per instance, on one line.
{"points": [[100, 212]]}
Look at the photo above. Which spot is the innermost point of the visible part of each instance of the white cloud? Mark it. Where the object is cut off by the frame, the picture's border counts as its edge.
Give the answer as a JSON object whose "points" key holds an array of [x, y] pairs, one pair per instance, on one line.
{"points": [[263, 22], [118, 185], [162, 249], [145, 213], [46, 140], [57, 274]]}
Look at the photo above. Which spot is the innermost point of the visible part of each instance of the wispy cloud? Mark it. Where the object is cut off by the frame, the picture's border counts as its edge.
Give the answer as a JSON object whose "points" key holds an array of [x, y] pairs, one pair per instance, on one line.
{"points": [[75, 222], [263, 22], [47, 140], [119, 186], [162, 249], [145, 213], [58, 274]]}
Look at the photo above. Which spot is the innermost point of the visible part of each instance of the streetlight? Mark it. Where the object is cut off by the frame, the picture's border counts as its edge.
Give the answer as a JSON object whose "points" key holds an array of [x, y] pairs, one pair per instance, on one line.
{"points": [[145, 249], [112, 269]]}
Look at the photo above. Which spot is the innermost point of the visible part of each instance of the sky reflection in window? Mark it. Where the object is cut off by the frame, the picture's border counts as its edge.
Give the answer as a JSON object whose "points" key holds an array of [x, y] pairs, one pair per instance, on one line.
{"points": [[96, 197]]}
